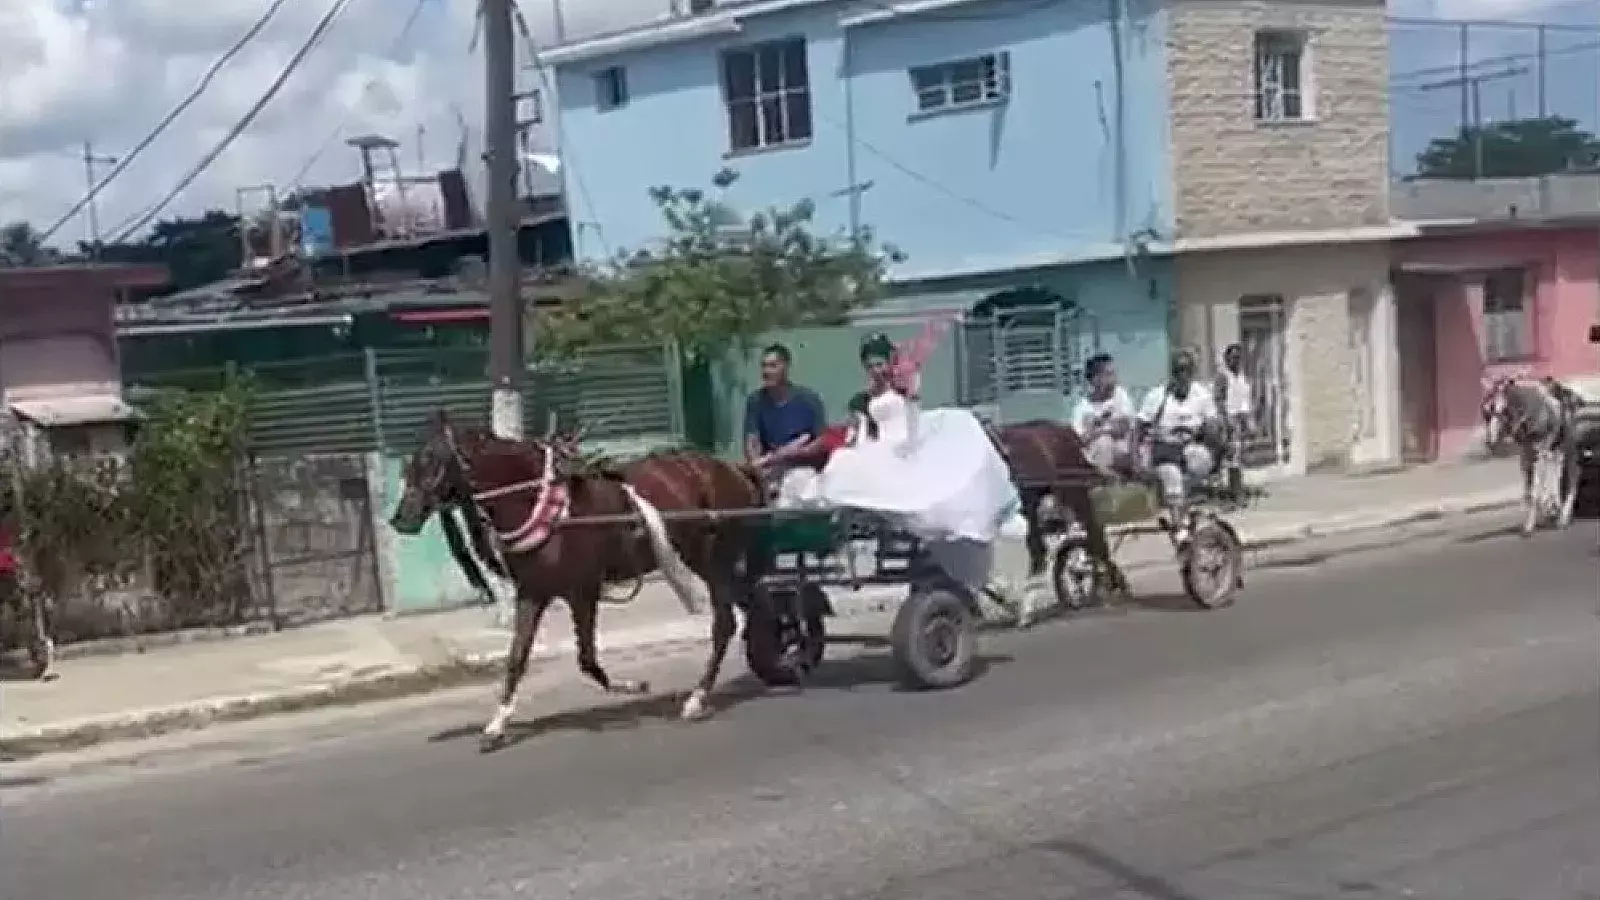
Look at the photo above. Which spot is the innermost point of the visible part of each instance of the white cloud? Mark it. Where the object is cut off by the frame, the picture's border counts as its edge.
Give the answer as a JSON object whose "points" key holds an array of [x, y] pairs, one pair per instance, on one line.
{"points": [[72, 71], [107, 70]]}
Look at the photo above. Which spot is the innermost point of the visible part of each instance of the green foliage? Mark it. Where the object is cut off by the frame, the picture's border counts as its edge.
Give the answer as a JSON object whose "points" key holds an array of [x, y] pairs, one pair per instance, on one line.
{"points": [[170, 518], [20, 245], [189, 497], [1516, 148], [719, 279], [195, 251]]}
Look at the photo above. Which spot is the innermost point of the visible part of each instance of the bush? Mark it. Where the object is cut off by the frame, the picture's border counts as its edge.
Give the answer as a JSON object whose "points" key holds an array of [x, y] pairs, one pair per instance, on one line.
{"points": [[152, 541]]}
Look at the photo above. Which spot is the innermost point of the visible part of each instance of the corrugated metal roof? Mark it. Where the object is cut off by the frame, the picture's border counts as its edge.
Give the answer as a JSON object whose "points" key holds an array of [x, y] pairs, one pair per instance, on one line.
{"points": [[922, 304], [58, 412]]}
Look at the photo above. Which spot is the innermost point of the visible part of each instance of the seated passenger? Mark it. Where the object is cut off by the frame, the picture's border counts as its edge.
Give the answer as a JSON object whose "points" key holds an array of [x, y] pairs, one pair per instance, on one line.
{"points": [[1177, 419], [1104, 418], [782, 420]]}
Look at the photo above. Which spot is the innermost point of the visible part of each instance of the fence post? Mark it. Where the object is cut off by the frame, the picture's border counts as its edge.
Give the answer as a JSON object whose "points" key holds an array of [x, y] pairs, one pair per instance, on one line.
{"points": [[369, 365], [673, 367]]}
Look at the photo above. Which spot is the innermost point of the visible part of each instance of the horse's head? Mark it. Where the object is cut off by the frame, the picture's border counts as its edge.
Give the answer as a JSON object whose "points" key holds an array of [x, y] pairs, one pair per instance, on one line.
{"points": [[434, 477], [1497, 410]]}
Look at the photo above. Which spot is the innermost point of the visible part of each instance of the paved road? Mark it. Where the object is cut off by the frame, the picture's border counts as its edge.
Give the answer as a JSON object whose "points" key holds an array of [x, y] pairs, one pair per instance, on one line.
{"points": [[1419, 726]]}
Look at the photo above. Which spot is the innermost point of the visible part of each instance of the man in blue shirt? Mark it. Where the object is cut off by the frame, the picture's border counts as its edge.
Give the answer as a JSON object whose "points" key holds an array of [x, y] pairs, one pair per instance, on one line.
{"points": [[782, 420]]}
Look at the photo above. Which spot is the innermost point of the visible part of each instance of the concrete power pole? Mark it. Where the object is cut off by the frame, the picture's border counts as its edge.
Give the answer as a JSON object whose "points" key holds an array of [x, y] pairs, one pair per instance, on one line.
{"points": [[90, 160], [506, 360]]}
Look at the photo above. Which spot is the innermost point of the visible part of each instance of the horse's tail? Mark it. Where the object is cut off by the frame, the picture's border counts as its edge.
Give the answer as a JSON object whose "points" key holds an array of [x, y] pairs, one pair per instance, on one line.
{"points": [[690, 587]]}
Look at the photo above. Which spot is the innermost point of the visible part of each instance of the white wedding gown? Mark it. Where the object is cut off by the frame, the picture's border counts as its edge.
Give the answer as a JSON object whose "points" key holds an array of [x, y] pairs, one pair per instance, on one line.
{"points": [[935, 471]]}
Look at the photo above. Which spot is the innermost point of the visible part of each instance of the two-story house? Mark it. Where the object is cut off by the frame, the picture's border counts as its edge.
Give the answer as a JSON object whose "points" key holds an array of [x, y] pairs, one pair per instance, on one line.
{"points": [[1006, 147], [1202, 171], [1279, 123]]}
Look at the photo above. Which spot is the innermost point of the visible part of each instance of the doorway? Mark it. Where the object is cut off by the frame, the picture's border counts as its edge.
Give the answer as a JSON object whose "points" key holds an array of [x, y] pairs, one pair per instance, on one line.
{"points": [[1263, 333], [1416, 335]]}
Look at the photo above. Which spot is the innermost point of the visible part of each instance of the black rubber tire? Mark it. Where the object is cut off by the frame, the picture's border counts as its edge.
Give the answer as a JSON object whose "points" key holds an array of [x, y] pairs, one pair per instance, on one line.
{"points": [[1065, 596], [765, 651], [814, 607], [926, 608], [1224, 595]]}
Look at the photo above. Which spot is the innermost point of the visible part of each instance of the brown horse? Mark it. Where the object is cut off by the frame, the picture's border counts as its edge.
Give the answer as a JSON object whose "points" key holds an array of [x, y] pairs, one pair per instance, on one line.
{"points": [[1047, 459], [528, 490]]}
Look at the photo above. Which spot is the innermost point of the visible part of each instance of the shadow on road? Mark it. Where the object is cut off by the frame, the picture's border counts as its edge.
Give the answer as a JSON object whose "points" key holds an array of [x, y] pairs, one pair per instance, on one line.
{"points": [[846, 674]]}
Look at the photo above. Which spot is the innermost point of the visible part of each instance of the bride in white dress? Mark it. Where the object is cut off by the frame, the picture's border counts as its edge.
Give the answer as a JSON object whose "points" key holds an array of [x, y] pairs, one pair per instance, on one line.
{"points": [[936, 470]]}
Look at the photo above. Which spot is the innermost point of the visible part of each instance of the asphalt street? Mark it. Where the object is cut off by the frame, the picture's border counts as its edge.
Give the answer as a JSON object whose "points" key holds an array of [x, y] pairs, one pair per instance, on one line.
{"points": [[1417, 724]]}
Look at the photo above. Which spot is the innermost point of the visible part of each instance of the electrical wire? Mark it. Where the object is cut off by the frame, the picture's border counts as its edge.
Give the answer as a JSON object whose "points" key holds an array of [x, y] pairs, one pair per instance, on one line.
{"points": [[551, 101], [194, 94], [238, 128], [333, 135]]}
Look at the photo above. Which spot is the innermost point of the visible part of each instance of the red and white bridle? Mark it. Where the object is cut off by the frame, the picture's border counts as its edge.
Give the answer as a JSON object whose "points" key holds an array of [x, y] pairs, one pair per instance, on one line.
{"points": [[552, 502]]}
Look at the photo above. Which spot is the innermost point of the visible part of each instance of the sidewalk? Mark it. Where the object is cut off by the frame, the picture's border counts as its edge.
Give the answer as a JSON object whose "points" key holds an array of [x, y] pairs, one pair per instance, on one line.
{"points": [[190, 685]]}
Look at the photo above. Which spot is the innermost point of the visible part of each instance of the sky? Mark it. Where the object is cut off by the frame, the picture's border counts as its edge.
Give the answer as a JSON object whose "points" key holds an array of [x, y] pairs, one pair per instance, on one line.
{"points": [[106, 71]]}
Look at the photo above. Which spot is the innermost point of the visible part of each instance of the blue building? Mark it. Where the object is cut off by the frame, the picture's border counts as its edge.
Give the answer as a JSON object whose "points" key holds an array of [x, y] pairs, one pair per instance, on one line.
{"points": [[1008, 147], [1215, 171]]}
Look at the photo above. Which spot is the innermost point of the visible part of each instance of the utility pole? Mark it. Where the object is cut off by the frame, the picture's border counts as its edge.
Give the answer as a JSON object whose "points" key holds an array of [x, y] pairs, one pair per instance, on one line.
{"points": [[506, 363], [90, 160], [1472, 102]]}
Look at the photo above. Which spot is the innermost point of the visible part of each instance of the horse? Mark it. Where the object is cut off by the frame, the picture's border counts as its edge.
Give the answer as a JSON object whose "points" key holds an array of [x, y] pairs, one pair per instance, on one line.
{"points": [[528, 489], [1537, 417], [1047, 460]]}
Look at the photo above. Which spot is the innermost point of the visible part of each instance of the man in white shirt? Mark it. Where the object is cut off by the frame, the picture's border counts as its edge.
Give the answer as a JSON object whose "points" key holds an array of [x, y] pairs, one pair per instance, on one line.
{"points": [[1104, 418], [1173, 418], [1236, 401]]}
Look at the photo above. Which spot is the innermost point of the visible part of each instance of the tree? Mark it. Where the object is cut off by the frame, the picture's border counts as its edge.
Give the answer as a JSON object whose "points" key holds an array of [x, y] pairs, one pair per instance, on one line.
{"points": [[1518, 148], [20, 245], [719, 279], [195, 251]]}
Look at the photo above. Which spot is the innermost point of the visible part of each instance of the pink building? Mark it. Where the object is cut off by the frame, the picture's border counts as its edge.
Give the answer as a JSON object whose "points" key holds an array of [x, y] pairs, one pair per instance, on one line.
{"points": [[59, 373], [1484, 299]]}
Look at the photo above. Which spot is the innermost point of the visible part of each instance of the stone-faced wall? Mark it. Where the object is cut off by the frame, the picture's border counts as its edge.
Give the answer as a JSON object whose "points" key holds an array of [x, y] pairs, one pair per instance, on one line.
{"points": [[1233, 174], [1315, 284]]}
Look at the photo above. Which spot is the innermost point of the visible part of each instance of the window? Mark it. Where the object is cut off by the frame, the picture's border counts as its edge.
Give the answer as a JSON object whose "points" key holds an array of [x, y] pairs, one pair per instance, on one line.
{"points": [[610, 88], [1507, 323], [1281, 77], [963, 83], [530, 108], [768, 93]]}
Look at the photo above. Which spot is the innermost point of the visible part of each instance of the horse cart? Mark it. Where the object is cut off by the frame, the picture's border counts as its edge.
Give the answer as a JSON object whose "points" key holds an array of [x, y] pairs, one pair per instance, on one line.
{"points": [[1210, 562], [809, 551], [933, 636]]}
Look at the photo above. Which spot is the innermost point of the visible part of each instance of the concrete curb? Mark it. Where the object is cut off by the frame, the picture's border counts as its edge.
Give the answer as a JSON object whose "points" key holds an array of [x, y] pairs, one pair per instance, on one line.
{"points": [[464, 667]]}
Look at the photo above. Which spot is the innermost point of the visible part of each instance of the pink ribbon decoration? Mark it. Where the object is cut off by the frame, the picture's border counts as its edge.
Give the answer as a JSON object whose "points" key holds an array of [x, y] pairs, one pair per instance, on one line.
{"points": [[909, 356]]}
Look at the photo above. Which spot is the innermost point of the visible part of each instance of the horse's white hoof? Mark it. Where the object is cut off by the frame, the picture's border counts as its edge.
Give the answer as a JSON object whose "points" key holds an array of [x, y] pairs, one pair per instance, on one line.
{"points": [[695, 707]]}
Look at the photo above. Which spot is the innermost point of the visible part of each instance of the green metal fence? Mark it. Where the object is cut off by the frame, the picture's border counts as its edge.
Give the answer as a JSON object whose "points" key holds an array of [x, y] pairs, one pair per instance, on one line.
{"points": [[381, 400]]}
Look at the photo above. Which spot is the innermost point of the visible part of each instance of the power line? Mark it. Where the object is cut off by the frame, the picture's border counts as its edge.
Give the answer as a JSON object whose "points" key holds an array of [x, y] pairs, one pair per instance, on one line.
{"points": [[1502, 59], [194, 94], [333, 135], [238, 128]]}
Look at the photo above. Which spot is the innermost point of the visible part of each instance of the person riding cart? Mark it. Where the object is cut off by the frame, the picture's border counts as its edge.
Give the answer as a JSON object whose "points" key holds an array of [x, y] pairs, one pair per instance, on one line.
{"points": [[1180, 424]]}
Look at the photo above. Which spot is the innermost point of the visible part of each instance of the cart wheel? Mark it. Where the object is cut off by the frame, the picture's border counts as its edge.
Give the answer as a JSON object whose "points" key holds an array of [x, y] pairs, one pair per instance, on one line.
{"points": [[1075, 576], [1213, 565], [784, 636], [934, 639]]}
